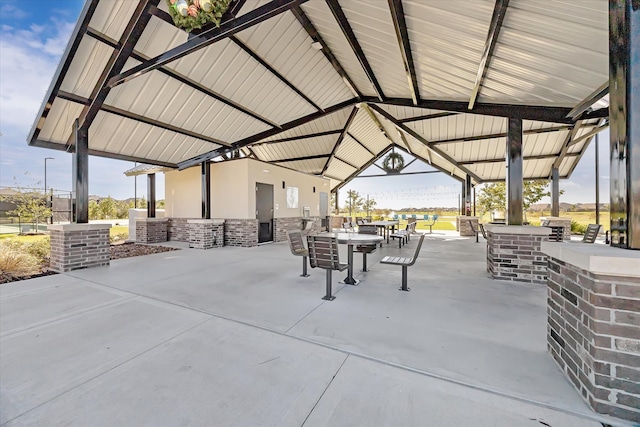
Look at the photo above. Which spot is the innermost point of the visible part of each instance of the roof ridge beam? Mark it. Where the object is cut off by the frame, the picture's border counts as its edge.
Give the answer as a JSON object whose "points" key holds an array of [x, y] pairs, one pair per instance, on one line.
{"points": [[402, 34], [183, 79], [539, 113], [133, 31], [138, 118], [343, 22], [265, 134], [499, 11], [420, 138], [207, 38], [352, 116], [273, 71]]}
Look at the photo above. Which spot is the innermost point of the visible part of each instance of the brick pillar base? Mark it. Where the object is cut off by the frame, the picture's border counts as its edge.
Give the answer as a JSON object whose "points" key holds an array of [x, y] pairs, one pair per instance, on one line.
{"points": [[241, 232], [593, 324], [463, 225], [151, 230], [513, 253], [77, 246], [206, 233]]}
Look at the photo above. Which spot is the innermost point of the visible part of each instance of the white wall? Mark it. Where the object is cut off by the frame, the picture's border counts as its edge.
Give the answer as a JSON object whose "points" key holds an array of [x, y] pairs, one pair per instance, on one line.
{"points": [[233, 192], [275, 176], [182, 193]]}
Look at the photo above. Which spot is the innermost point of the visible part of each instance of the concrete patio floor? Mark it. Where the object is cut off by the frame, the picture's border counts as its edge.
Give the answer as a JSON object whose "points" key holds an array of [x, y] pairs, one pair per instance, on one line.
{"points": [[233, 336]]}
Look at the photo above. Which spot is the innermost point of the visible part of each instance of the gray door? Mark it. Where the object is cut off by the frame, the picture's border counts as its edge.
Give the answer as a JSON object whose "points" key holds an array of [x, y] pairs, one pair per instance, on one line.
{"points": [[264, 212], [324, 209]]}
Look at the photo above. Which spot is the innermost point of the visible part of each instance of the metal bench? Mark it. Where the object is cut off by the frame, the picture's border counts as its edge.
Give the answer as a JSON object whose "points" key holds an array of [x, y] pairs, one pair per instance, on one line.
{"points": [[366, 249], [403, 236], [296, 244], [591, 233], [323, 253], [404, 262], [480, 229], [434, 218]]}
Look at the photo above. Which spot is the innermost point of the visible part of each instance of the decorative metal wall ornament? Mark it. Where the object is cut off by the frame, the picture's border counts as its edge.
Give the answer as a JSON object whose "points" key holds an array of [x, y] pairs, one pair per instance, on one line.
{"points": [[195, 14], [393, 163]]}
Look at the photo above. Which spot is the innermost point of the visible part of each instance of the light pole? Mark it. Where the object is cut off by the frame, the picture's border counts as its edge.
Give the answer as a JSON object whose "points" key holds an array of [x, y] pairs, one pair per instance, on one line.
{"points": [[46, 198]]}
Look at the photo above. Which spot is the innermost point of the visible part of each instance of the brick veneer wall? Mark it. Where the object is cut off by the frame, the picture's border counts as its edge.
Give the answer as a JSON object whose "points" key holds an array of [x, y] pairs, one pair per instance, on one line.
{"points": [[463, 225], [178, 229], [241, 232], [206, 233], [151, 230], [77, 246], [282, 225], [516, 257], [593, 333]]}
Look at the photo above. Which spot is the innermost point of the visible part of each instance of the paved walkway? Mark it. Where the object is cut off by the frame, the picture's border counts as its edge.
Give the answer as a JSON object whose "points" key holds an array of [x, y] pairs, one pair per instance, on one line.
{"points": [[233, 336]]}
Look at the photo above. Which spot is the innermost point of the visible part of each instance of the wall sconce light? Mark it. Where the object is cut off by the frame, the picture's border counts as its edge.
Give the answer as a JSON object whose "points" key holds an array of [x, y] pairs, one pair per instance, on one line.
{"points": [[314, 189], [283, 185]]}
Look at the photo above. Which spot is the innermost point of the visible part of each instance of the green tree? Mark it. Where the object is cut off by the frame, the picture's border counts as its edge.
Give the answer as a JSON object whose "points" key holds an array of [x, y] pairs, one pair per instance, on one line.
{"points": [[492, 197], [94, 210], [368, 205], [354, 201], [107, 208], [30, 206]]}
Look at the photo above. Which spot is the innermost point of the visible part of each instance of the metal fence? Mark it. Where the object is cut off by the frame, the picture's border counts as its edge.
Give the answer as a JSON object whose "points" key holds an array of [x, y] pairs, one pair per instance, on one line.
{"points": [[60, 201]]}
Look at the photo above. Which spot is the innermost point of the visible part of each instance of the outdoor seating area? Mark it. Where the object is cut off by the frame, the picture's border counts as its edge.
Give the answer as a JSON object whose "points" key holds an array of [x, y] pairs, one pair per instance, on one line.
{"points": [[181, 319]]}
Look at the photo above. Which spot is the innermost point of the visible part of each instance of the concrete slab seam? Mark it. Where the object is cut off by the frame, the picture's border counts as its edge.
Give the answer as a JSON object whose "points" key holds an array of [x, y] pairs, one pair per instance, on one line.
{"points": [[325, 390]]}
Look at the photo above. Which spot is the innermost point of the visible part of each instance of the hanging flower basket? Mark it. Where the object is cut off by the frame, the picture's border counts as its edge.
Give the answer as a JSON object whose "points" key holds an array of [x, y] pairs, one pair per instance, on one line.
{"points": [[195, 14], [393, 163]]}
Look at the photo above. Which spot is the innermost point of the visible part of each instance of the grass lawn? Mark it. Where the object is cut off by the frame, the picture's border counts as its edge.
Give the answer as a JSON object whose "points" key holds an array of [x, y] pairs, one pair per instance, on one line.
{"points": [[114, 231]]}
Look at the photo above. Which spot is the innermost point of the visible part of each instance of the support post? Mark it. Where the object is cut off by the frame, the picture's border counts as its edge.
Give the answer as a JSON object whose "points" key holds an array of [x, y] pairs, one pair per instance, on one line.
{"points": [[467, 199], [514, 172], [555, 192], [151, 195], [624, 117], [597, 179], [80, 174], [474, 200], [206, 189], [337, 205]]}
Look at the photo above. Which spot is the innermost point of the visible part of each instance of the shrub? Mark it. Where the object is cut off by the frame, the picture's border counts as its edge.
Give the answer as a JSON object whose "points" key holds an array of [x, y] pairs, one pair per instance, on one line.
{"points": [[118, 237], [18, 263], [578, 228], [39, 249]]}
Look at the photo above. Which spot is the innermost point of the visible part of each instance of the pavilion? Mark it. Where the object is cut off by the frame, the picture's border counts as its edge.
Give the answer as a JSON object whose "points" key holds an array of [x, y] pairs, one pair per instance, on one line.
{"points": [[328, 87]]}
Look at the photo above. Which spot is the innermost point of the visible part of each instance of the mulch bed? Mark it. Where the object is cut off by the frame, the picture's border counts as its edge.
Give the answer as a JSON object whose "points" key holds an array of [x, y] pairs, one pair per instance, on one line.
{"points": [[118, 251]]}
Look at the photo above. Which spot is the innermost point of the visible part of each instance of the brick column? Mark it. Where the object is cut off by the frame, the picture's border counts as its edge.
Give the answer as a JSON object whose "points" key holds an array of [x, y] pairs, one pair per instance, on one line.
{"points": [[463, 225], [282, 225], [513, 253], [593, 329], [206, 233], [77, 246], [151, 230], [559, 221]]}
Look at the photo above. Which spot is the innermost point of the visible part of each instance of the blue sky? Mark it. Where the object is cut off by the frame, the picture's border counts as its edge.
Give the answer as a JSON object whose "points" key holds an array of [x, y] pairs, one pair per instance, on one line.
{"points": [[33, 36]]}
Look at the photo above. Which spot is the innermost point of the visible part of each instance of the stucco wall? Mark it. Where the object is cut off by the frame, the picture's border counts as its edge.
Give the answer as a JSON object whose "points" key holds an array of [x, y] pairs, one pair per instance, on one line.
{"points": [[275, 176], [233, 190], [182, 193]]}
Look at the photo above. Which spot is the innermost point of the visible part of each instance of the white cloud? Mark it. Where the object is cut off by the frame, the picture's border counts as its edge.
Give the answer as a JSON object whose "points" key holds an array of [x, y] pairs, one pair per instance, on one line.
{"points": [[14, 12]]}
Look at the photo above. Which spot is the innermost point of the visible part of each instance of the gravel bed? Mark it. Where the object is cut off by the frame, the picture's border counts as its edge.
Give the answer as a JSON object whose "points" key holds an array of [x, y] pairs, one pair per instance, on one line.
{"points": [[119, 251]]}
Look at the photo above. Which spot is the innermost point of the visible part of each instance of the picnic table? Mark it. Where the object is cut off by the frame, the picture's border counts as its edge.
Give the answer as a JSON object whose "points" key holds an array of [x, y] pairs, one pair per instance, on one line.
{"points": [[385, 226], [351, 239]]}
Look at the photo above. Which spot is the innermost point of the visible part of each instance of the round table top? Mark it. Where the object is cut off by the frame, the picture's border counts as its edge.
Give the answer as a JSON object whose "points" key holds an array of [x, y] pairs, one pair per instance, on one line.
{"points": [[355, 238]]}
